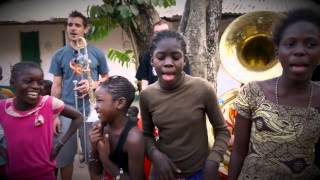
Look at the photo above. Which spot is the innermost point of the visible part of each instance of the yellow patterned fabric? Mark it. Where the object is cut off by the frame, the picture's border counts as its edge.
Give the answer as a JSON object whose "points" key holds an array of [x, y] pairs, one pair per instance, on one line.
{"points": [[282, 138]]}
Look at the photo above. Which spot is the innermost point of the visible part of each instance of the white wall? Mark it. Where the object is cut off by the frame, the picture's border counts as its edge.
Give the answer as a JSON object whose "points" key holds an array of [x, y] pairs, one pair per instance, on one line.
{"points": [[50, 37]]}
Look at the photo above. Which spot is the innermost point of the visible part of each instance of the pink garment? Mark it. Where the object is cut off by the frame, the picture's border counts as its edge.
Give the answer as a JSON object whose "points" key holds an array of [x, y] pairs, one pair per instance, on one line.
{"points": [[29, 136]]}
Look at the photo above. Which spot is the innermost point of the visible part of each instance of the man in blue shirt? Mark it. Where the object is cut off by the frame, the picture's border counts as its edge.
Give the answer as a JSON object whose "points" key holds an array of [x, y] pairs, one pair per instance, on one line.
{"points": [[63, 86]]}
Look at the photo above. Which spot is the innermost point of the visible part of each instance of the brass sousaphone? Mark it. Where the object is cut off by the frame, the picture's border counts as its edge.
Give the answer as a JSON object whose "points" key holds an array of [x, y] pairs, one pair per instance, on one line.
{"points": [[247, 54], [246, 49]]}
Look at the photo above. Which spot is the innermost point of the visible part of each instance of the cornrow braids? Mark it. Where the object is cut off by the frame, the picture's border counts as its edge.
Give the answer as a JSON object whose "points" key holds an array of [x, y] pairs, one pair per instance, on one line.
{"points": [[310, 15], [118, 87], [166, 34], [19, 68]]}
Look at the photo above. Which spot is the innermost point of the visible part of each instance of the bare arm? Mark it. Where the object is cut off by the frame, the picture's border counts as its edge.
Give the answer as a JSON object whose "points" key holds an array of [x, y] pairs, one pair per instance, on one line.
{"points": [[103, 147], [135, 154], [240, 147], [56, 86], [77, 120], [95, 135]]}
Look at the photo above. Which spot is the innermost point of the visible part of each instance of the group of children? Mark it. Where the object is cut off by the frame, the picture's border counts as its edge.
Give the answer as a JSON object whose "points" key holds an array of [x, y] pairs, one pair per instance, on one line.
{"points": [[277, 126]]}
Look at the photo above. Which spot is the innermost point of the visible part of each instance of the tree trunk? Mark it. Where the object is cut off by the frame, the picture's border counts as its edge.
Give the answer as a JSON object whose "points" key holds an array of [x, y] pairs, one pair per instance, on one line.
{"points": [[213, 22], [141, 30], [200, 26]]}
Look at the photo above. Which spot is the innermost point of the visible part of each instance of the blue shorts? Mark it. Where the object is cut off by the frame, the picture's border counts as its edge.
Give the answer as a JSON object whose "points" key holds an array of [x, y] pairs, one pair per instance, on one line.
{"points": [[3, 148]]}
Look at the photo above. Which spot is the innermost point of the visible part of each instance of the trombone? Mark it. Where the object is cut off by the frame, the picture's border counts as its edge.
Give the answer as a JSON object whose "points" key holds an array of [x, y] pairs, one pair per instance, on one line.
{"points": [[81, 66]]}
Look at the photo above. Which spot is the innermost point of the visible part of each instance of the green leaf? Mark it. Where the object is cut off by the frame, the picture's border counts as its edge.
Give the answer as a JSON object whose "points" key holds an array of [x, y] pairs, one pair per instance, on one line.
{"points": [[124, 58], [163, 3], [148, 2], [125, 11], [168, 3], [140, 1], [93, 11], [134, 9], [155, 2], [107, 8], [101, 27]]}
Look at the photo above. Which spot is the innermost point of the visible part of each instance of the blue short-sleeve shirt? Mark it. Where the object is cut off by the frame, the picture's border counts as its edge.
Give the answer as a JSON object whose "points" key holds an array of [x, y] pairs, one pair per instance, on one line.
{"points": [[60, 66]]}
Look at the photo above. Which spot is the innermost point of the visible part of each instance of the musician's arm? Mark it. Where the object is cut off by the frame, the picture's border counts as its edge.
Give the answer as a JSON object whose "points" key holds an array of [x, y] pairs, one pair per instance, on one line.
{"points": [[56, 86]]}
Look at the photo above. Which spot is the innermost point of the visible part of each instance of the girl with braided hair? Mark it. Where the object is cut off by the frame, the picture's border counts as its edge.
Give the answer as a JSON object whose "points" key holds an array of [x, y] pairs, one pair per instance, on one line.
{"points": [[117, 144], [27, 121]]}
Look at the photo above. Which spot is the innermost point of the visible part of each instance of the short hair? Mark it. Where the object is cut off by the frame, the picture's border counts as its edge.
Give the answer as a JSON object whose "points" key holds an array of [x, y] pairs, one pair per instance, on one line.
{"points": [[305, 14], [118, 87], [76, 13], [19, 68], [166, 34]]}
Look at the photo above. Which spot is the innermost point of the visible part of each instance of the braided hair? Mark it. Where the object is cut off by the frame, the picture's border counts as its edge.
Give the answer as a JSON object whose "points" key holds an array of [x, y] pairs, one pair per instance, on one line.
{"points": [[19, 68], [166, 34], [118, 87]]}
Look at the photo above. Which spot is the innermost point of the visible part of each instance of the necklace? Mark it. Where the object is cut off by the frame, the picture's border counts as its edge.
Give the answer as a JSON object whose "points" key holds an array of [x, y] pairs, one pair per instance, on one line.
{"points": [[309, 98]]}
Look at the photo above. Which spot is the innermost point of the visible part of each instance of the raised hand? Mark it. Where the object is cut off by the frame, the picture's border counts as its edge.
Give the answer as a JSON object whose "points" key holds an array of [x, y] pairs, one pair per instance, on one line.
{"points": [[103, 147], [56, 150], [96, 135], [83, 87]]}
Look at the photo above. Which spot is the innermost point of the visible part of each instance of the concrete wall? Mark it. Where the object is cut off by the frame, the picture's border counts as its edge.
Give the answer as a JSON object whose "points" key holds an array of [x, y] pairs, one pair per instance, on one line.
{"points": [[51, 39]]}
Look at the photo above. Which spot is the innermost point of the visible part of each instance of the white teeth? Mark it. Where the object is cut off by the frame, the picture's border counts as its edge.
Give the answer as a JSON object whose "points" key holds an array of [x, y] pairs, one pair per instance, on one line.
{"points": [[32, 94]]}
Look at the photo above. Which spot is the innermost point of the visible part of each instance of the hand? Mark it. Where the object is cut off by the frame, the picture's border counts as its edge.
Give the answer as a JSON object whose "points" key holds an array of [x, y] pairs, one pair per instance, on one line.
{"points": [[82, 87], [96, 135], [211, 170], [56, 150], [103, 147], [57, 126], [164, 168]]}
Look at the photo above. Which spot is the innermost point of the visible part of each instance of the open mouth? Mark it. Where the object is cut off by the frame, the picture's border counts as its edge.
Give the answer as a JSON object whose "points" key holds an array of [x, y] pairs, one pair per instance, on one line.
{"points": [[32, 95], [168, 76], [299, 68], [73, 34]]}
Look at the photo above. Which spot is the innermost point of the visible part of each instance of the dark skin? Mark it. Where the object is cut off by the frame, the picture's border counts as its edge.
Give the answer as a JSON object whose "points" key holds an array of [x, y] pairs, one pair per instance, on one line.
{"points": [[105, 135], [299, 54], [168, 60], [28, 88]]}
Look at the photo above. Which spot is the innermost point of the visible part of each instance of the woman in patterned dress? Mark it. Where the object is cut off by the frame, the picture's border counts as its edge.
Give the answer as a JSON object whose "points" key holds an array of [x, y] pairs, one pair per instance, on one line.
{"points": [[278, 121]]}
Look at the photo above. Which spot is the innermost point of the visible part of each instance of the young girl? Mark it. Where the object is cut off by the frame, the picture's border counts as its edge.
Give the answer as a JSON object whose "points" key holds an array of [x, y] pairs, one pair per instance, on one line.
{"points": [[117, 144], [27, 120], [278, 125], [177, 105]]}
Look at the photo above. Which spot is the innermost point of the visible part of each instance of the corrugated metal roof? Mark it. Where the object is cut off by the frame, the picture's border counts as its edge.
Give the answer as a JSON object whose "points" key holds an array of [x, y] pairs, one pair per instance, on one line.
{"points": [[245, 6], [46, 10], [41, 10]]}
